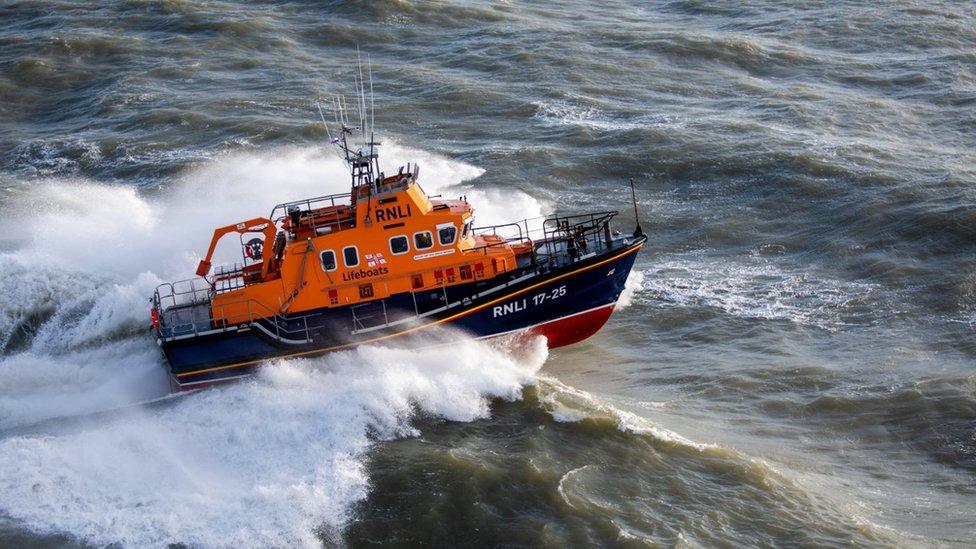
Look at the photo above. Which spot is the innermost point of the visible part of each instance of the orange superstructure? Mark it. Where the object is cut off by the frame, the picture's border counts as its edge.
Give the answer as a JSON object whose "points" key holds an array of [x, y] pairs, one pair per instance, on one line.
{"points": [[340, 250]]}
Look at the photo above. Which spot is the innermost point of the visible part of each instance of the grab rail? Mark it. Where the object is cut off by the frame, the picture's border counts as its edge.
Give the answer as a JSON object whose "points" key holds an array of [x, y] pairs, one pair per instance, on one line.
{"points": [[565, 239], [187, 318], [307, 202]]}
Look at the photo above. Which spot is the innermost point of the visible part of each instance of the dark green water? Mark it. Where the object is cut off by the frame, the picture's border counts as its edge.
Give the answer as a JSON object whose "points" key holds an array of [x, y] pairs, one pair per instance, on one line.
{"points": [[795, 365]]}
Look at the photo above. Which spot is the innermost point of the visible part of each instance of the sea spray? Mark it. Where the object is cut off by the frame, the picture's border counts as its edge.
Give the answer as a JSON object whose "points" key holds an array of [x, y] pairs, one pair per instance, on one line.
{"points": [[270, 461], [35, 386], [74, 290], [118, 232], [634, 284]]}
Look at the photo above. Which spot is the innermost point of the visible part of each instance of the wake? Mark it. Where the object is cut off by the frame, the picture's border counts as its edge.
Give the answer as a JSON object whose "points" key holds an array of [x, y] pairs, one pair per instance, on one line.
{"points": [[274, 460]]}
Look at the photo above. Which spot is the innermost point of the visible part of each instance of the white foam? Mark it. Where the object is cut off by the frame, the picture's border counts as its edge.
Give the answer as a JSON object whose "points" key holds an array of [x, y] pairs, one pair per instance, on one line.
{"points": [[566, 113], [570, 405], [35, 386], [265, 462], [92, 253], [751, 287], [634, 283]]}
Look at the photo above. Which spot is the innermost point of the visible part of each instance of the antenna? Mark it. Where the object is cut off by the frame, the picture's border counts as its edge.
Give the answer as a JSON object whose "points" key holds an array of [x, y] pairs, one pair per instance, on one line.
{"points": [[372, 103], [332, 140], [361, 156], [362, 96], [633, 196]]}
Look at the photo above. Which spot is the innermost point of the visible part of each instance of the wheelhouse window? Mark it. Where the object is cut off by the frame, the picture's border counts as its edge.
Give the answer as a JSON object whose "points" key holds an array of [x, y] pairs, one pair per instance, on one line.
{"points": [[466, 228], [423, 240], [446, 234], [328, 260], [399, 245], [350, 256]]}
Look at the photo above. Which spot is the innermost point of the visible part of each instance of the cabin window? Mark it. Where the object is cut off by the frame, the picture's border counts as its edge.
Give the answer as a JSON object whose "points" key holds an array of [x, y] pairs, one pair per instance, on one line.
{"points": [[365, 291], [350, 256], [423, 240], [399, 245], [328, 260], [446, 234], [466, 229]]}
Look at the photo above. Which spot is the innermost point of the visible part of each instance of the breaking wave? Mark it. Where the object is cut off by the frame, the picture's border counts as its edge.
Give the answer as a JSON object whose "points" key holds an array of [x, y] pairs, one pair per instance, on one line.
{"points": [[86, 257], [272, 461], [569, 405], [276, 460], [754, 287], [567, 113], [655, 453]]}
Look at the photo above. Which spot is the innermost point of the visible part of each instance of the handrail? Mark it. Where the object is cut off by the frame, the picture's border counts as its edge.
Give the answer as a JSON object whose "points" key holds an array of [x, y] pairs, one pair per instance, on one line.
{"points": [[253, 309], [308, 202], [572, 231], [597, 218], [310, 210], [520, 223], [197, 295], [566, 239], [551, 228], [494, 230]]}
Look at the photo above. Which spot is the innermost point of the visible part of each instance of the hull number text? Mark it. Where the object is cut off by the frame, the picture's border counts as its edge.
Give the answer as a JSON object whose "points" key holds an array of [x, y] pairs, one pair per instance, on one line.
{"points": [[526, 302]]}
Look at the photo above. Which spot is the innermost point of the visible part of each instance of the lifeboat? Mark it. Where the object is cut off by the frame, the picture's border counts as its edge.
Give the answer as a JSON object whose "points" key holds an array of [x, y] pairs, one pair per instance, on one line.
{"points": [[380, 263]]}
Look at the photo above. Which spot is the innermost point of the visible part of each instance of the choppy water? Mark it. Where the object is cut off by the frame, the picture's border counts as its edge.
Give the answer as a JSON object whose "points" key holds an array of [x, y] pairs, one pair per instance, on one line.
{"points": [[795, 365]]}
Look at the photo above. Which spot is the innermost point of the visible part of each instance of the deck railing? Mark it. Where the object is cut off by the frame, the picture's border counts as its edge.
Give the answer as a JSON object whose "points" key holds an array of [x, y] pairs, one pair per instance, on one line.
{"points": [[304, 210], [556, 241], [195, 317], [309, 204]]}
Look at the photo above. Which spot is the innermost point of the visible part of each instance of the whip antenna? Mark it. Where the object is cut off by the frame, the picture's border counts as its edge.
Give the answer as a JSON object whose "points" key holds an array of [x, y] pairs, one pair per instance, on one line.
{"points": [[372, 102], [357, 144], [332, 140], [633, 197]]}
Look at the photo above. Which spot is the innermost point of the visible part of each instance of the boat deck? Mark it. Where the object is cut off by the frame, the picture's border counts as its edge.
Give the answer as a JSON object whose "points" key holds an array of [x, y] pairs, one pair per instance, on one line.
{"points": [[186, 319]]}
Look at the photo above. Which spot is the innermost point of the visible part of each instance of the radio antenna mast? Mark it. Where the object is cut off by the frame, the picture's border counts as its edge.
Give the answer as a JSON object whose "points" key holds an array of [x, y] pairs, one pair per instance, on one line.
{"points": [[332, 140], [363, 120], [362, 157], [633, 196], [372, 102]]}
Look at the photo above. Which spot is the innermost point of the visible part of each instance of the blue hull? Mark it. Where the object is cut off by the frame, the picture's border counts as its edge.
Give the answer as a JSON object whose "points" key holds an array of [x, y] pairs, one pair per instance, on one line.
{"points": [[517, 302]]}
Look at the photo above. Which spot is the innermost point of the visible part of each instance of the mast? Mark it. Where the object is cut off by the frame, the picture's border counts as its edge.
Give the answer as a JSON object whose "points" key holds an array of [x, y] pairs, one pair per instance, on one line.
{"points": [[357, 143], [633, 196]]}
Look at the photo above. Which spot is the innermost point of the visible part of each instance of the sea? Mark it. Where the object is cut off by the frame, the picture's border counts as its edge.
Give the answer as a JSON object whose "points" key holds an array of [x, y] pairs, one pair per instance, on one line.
{"points": [[792, 364]]}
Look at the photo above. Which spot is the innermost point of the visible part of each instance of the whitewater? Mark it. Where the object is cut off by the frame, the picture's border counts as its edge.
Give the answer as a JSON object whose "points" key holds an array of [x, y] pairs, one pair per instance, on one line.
{"points": [[272, 460]]}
